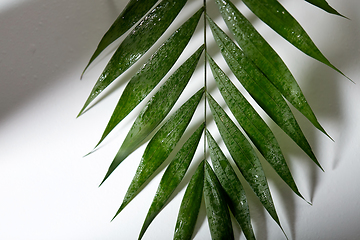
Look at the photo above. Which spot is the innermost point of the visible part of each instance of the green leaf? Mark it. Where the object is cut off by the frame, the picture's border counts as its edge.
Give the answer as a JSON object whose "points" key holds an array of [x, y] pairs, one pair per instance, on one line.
{"points": [[190, 206], [244, 156], [216, 208], [144, 81], [280, 20], [161, 145], [324, 6], [261, 89], [156, 109], [232, 186], [172, 177], [255, 64], [132, 13], [136, 44], [266, 59], [254, 126]]}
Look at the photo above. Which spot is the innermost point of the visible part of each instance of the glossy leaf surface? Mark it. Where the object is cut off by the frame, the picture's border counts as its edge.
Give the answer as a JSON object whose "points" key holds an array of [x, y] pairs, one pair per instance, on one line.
{"points": [[131, 14], [266, 59], [258, 68], [156, 109], [280, 20], [136, 44], [232, 186], [161, 145], [254, 126], [173, 176], [244, 156], [144, 81], [190, 205], [261, 89], [217, 211]]}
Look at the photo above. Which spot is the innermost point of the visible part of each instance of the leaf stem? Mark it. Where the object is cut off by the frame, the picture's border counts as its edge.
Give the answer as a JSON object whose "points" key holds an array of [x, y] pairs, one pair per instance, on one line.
{"points": [[205, 75]]}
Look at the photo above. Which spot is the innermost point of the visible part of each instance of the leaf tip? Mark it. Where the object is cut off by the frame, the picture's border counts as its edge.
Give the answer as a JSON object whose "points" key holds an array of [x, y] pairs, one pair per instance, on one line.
{"points": [[117, 213], [80, 113], [308, 202], [323, 131], [106, 176], [83, 72]]}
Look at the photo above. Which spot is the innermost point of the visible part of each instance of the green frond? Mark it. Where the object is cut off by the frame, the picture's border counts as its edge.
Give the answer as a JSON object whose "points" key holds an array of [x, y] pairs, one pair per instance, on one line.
{"points": [[131, 14], [257, 67], [151, 73], [156, 109], [136, 44], [235, 193], [217, 211]]}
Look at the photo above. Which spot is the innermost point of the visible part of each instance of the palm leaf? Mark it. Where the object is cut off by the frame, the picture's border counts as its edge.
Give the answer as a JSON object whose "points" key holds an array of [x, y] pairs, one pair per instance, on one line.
{"points": [[266, 59], [257, 130], [261, 89], [173, 176], [216, 208], [136, 44], [132, 13], [156, 110], [280, 20], [244, 156], [232, 186], [145, 80], [258, 68], [190, 205], [161, 146]]}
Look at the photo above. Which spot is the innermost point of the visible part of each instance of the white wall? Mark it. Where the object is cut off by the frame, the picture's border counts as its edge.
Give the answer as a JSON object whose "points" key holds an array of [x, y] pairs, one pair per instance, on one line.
{"points": [[49, 191]]}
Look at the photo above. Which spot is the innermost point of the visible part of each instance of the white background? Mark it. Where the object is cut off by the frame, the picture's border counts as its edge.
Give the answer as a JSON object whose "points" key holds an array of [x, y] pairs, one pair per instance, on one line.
{"points": [[50, 191]]}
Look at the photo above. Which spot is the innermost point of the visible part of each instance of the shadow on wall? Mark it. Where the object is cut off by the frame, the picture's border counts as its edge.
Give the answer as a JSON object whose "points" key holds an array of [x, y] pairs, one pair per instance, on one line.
{"points": [[43, 39], [322, 88]]}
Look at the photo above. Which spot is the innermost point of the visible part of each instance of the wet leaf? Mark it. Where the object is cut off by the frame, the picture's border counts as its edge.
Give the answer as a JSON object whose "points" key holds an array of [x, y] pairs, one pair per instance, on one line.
{"points": [[244, 156], [132, 13], [161, 145], [156, 109], [266, 59], [217, 210], [258, 68], [136, 44], [261, 89], [280, 20], [172, 177], [254, 126], [232, 186], [190, 206], [145, 80]]}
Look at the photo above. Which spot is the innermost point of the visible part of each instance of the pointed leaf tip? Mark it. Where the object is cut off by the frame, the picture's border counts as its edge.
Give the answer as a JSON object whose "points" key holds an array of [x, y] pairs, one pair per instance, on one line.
{"points": [[261, 89], [173, 176], [162, 144], [157, 108], [132, 13], [229, 181], [190, 205], [217, 211], [136, 44], [325, 6], [152, 72]]}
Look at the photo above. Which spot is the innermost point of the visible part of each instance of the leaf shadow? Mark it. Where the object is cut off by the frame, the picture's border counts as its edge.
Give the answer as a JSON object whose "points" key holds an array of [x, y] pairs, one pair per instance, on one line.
{"points": [[320, 85], [41, 43]]}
